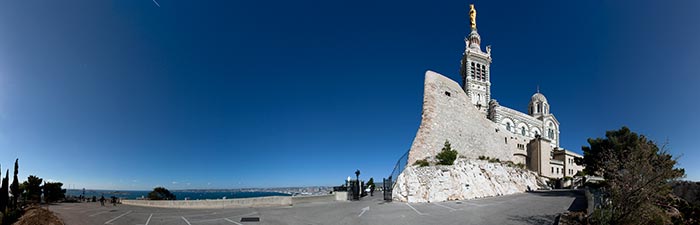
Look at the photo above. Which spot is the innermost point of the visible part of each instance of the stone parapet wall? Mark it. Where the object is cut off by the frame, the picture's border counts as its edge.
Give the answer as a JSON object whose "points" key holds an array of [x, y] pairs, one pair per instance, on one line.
{"points": [[315, 198], [214, 203]]}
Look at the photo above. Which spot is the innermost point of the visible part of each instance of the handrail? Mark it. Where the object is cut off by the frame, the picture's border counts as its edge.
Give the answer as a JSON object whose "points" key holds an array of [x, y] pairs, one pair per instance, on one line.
{"points": [[398, 168]]}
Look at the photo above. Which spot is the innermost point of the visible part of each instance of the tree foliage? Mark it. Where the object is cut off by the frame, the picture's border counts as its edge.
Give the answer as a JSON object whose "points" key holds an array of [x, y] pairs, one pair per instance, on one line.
{"points": [[161, 193], [14, 188], [33, 188], [637, 174], [370, 183], [53, 191], [447, 156], [4, 197]]}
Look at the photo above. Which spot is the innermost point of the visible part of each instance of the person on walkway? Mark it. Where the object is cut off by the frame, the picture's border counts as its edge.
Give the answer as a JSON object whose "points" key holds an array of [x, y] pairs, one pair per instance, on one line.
{"points": [[371, 190], [102, 200]]}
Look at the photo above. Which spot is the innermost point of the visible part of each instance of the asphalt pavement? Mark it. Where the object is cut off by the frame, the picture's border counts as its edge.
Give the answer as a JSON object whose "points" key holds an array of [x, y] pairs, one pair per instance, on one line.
{"points": [[526, 208]]}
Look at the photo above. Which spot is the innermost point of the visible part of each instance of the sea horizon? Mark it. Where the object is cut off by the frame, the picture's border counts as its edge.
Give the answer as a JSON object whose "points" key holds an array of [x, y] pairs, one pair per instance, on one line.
{"points": [[202, 194]]}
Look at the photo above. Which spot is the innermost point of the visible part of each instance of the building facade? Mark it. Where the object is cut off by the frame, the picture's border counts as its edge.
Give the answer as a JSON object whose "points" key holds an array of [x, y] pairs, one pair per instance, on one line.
{"points": [[536, 132]]}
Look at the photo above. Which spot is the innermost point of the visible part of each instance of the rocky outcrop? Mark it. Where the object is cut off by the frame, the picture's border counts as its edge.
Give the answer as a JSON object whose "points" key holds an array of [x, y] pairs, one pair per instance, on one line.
{"points": [[466, 179]]}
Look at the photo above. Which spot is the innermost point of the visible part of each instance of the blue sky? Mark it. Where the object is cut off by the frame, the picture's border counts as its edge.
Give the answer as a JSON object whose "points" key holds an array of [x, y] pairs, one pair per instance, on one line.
{"points": [[226, 94]]}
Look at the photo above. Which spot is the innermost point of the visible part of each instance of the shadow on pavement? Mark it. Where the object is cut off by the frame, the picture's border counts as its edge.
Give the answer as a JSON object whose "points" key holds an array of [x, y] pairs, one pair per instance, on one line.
{"points": [[538, 219], [579, 203]]}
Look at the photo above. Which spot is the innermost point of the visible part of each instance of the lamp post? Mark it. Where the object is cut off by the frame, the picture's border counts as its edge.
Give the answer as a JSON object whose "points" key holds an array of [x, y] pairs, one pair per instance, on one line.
{"points": [[358, 191]]}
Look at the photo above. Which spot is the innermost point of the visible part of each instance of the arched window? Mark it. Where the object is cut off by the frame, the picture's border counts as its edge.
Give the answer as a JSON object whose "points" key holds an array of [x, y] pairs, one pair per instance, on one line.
{"points": [[546, 108], [539, 108], [550, 131], [473, 71], [522, 130], [483, 70], [478, 71], [508, 126]]}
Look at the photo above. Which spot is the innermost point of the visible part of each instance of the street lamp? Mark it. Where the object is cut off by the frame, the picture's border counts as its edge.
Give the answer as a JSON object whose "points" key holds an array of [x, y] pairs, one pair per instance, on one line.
{"points": [[358, 191]]}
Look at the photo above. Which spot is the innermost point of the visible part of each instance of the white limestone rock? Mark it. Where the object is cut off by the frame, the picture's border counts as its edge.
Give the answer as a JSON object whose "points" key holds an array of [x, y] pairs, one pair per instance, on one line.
{"points": [[466, 179]]}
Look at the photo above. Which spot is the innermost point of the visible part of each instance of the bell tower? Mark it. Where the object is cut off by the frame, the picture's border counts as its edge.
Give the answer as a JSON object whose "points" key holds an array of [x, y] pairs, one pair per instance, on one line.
{"points": [[475, 67]]}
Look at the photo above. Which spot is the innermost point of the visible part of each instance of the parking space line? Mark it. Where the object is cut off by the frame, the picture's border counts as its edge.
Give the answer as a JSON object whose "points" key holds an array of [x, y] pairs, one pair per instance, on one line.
{"points": [[98, 213], [188, 222], [215, 219], [234, 222], [414, 209], [115, 218], [149, 219], [444, 206]]}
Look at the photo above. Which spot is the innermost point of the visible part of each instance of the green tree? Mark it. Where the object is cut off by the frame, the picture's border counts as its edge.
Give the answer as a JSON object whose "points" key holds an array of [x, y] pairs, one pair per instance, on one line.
{"points": [[33, 188], [637, 177], [4, 197], [370, 183], [447, 156], [161, 193], [14, 188], [53, 191]]}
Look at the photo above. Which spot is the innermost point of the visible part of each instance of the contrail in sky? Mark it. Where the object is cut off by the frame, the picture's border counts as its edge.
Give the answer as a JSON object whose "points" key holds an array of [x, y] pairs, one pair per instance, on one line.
{"points": [[154, 1]]}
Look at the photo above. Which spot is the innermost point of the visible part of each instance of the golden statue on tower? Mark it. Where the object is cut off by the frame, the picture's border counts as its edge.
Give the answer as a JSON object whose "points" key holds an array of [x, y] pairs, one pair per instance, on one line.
{"points": [[472, 16]]}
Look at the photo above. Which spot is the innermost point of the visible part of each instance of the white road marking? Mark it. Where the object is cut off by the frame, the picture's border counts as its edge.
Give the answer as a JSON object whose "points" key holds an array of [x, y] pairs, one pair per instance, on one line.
{"points": [[365, 209], [232, 221], [414, 209], [444, 206], [149, 219], [98, 213], [215, 219], [115, 218], [188, 222]]}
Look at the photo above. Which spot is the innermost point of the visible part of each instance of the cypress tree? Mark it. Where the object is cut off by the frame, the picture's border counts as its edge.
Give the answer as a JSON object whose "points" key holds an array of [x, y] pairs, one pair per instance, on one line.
{"points": [[4, 192], [14, 188]]}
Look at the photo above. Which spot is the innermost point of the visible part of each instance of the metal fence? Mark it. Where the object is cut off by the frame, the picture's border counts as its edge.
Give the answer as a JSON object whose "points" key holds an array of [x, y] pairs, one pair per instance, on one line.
{"points": [[389, 182]]}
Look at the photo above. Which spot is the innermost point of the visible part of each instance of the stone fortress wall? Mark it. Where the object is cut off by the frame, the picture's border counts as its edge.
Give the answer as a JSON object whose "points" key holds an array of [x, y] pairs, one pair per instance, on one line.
{"points": [[449, 115]]}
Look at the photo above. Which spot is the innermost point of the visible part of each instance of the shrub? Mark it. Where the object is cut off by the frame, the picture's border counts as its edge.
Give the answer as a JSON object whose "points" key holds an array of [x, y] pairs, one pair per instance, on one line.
{"points": [[520, 165], [161, 193], [481, 157], [509, 163], [447, 156], [494, 160], [421, 163]]}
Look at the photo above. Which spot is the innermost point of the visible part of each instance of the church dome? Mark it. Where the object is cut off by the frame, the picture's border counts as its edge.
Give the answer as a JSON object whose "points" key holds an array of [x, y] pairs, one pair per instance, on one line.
{"points": [[538, 97]]}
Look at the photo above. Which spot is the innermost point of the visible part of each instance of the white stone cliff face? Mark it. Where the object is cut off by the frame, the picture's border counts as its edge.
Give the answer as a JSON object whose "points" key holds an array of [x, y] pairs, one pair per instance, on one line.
{"points": [[449, 115], [466, 179]]}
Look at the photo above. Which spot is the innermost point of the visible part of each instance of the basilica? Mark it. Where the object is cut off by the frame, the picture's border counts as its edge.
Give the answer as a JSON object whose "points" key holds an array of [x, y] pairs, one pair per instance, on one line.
{"points": [[466, 115], [537, 125]]}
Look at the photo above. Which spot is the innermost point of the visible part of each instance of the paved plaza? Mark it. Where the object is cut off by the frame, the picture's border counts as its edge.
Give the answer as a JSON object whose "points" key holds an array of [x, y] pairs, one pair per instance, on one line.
{"points": [[525, 208]]}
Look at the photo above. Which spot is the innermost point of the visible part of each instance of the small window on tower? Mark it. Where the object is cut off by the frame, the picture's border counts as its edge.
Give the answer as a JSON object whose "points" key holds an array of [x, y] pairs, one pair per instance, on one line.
{"points": [[478, 72], [473, 71], [448, 94]]}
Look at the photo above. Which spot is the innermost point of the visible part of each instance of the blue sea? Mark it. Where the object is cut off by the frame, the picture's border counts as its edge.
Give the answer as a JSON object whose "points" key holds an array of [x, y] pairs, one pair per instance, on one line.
{"points": [[180, 195]]}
